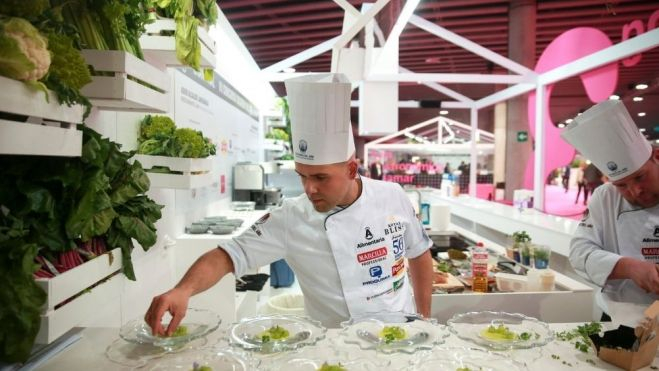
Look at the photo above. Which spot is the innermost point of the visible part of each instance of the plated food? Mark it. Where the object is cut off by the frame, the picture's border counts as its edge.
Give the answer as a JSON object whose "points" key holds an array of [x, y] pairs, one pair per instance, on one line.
{"points": [[275, 333], [500, 330], [391, 332], [196, 324]]}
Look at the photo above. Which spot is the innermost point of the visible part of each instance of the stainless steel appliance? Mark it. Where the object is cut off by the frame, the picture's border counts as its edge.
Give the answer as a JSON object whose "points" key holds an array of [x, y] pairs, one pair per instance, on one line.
{"points": [[249, 185]]}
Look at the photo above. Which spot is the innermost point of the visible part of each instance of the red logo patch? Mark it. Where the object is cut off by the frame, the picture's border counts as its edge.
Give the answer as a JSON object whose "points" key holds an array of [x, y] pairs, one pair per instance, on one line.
{"points": [[373, 254], [397, 268], [650, 251]]}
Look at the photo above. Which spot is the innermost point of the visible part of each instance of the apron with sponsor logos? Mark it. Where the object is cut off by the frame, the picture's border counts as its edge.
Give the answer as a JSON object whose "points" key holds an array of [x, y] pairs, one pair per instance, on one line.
{"points": [[638, 237], [370, 258]]}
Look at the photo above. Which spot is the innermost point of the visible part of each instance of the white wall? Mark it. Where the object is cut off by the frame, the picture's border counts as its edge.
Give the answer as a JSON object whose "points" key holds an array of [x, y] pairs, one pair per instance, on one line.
{"points": [[238, 137]]}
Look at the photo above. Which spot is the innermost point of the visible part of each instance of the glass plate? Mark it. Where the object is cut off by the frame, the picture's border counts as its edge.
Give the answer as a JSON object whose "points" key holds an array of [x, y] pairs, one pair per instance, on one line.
{"points": [[470, 326], [217, 360], [137, 355], [464, 358], [303, 331], [420, 334], [199, 323], [313, 357]]}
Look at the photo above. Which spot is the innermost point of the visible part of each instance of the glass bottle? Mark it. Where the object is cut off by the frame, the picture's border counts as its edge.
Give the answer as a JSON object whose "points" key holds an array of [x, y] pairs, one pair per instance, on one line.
{"points": [[479, 259]]}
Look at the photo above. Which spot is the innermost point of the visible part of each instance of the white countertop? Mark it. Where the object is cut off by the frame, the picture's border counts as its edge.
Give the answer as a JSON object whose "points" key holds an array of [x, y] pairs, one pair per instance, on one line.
{"points": [[90, 352], [551, 230]]}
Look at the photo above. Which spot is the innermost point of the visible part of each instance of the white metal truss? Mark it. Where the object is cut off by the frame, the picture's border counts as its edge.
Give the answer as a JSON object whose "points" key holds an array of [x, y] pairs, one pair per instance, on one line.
{"points": [[523, 82]]}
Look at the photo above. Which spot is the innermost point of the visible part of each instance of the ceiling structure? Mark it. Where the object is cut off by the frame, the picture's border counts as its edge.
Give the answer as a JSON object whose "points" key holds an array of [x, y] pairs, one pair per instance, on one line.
{"points": [[273, 30]]}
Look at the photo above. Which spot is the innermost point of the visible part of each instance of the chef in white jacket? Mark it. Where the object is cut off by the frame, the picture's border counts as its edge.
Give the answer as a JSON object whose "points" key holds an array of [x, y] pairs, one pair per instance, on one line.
{"points": [[350, 240], [616, 245]]}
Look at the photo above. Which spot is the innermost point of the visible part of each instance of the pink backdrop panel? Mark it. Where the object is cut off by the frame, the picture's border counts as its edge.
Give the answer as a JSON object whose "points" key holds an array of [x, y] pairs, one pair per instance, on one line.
{"points": [[599, 84]]}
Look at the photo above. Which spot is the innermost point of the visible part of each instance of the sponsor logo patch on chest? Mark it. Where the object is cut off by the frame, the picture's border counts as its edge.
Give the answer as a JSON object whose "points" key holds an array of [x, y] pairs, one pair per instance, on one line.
{"points": [[372, 255], [393, 228]]}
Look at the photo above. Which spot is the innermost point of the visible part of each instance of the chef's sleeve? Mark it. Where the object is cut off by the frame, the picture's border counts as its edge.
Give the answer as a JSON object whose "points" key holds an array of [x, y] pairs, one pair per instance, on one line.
{"points": [[417, 241], [261, 244], [588, 255]]}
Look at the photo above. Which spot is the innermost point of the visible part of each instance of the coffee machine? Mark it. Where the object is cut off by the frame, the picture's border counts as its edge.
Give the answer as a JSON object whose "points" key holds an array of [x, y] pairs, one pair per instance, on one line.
{"points": [[249, 184]]}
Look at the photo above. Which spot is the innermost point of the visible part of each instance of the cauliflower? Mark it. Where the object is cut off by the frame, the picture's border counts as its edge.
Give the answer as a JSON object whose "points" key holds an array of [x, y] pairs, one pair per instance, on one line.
{"points": [[25, 51], [156, 127]]}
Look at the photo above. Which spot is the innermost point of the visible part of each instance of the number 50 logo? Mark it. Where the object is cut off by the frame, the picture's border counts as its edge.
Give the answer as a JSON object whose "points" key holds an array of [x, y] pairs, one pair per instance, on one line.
{"points": [[398, 245]]}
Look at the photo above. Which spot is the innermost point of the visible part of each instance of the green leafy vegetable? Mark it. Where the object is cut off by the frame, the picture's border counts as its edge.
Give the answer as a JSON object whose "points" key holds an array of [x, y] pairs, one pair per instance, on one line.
{"points": [[160, 137], [28, 9], [580, 335], [47, 205], [188, 14]]}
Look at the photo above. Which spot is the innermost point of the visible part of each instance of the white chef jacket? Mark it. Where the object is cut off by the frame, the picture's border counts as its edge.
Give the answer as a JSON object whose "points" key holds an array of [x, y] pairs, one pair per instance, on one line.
{"points": [[611, 229], [349, 261]]}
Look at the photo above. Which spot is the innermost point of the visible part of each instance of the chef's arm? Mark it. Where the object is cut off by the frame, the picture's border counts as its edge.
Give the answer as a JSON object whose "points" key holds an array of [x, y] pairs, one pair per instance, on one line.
{"points": [[202, 275], [644, 274], [421, 274]]}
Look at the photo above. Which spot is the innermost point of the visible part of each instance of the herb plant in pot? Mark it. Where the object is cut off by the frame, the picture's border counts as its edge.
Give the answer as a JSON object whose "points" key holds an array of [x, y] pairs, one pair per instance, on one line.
{"points": [[522, 248]]}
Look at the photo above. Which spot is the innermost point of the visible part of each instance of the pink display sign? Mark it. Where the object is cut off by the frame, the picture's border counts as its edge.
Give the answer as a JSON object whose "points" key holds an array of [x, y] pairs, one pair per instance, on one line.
{"points": [[599, 83]]}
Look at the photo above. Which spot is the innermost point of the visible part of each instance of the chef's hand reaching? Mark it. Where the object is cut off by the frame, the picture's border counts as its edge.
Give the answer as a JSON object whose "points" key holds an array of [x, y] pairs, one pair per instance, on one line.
{"points": [[644, 274], [174, 301]]}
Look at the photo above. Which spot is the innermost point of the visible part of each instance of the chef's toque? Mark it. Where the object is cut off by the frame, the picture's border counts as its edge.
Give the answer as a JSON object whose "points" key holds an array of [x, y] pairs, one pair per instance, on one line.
{"points": [[607, 135], [319, 108]]}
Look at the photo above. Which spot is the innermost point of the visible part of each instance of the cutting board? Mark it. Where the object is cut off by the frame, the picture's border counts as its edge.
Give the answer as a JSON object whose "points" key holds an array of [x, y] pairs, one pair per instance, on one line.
{"points": [[452, 284]]}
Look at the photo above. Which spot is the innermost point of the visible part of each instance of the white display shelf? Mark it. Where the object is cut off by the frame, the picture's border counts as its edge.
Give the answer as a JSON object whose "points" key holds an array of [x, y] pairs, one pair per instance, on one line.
{"points": [[49, 128], [56, 322], [273, 145], [197, 172], [120, 91], [159, 49]]}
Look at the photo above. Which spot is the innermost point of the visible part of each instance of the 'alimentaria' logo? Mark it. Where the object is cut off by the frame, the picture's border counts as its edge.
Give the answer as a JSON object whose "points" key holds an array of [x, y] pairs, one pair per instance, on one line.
{"points": [[302, 145]]}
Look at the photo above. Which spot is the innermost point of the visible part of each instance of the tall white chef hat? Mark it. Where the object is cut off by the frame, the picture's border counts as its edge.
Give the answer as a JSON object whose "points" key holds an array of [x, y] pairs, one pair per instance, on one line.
{"points": [[607, 135], [319, 107]]}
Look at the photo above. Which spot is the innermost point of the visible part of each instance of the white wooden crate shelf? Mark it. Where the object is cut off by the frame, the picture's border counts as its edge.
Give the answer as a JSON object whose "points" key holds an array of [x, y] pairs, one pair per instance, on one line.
{"points": [[197, 172], [56, 322], [119, 91], [47, 129], [159, 49]]}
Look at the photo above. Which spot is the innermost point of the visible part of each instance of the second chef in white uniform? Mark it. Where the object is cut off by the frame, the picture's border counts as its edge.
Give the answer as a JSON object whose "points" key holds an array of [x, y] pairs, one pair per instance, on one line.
{"points": [[616, 245], [346, 238]]}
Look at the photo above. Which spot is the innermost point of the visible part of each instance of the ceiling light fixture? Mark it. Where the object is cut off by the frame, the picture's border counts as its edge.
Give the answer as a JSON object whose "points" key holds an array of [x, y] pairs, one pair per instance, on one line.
{"points": [[638, 99], [641, 114], [561, 125], [641, 86], [568, 121], [443, 112], [289, 70], [641, 130], [614, 97]]}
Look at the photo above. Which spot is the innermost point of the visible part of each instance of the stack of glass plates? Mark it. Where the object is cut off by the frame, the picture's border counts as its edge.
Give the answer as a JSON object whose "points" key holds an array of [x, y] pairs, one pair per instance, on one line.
{"points": [[276, 333], [464, 359], [390, 332], [314, 358], [216, 360], [500, 330], [197, 323]]}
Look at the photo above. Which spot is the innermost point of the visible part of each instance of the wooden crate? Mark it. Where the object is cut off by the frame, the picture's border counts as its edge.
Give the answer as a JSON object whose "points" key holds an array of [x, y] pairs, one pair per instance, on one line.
{"points": [[197, 172], [49, 128]]}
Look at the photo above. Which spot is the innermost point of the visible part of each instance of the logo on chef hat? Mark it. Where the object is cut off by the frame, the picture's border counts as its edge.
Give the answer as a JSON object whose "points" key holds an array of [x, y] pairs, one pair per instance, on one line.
{"points": [[612, 165], [302, 145]]}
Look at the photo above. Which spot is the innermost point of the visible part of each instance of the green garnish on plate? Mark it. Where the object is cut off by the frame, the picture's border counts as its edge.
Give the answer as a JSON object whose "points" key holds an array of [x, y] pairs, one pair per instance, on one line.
{"points": [[274, 333], [327, 367], [392, 333], [180, 331], [503, 333]]}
